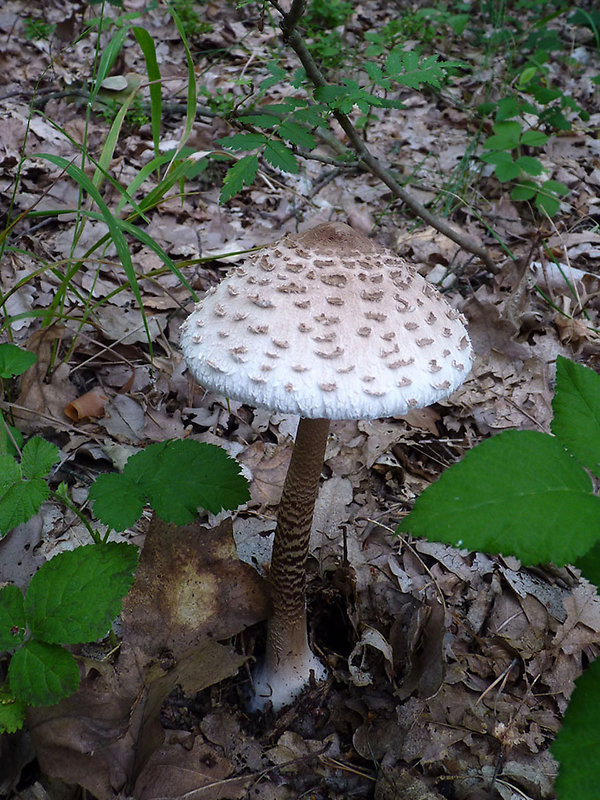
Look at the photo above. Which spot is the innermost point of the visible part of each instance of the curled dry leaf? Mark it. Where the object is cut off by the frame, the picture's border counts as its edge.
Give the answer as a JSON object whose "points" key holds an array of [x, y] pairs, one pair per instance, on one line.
{"points": [[86, 406]]}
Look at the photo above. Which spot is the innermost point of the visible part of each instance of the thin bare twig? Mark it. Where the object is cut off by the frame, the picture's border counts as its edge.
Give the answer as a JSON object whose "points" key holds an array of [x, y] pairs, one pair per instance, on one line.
{"points": [[296, 42]]}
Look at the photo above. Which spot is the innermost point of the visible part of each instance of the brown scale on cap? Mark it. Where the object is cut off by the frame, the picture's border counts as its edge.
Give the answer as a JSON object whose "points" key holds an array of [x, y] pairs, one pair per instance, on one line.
{"points": [[326, 324]]}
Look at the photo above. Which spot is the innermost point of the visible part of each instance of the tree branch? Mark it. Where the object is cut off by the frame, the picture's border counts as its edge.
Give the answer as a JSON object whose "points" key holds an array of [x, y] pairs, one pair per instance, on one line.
{"points": [[296, 42]]}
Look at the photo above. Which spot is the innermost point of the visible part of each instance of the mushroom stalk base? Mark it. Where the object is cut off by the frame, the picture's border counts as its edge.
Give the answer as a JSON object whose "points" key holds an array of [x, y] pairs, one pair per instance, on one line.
{"points": [[288, 659]]}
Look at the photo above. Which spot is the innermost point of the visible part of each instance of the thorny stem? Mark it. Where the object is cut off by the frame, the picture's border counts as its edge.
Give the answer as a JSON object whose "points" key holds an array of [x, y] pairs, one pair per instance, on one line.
{"points": [[296, 42]]}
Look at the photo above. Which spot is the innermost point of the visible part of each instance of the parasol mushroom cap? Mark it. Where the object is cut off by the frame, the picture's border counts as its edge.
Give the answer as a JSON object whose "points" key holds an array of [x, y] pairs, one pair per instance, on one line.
{"points": [[327, 324]]}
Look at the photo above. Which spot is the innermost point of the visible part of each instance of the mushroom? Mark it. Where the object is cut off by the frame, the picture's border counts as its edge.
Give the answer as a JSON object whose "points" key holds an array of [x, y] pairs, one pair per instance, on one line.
{"points": [[328, 325]]}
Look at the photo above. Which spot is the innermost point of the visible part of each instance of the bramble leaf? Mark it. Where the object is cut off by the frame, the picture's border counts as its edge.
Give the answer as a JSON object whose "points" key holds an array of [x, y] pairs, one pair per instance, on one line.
{"points": [[241, 174], [12, 617], [41, 674], [12, 712], [39, 456], [176, 478], [14, 360], [118, 500], [75, 597], [21, 501], [519, 493], [578, 742], [576, 407]]}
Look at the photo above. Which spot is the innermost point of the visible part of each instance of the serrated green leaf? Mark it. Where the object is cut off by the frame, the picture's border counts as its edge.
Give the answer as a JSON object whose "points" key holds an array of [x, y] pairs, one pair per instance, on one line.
{"points": [[576, 407], [589, 564], [176, 478], [12, 617], [506, 136], [241, 174], [532, 166], [10, 473], [296, 134], [243, 141], [497, 157], [118, 501], [578, 742], [266, 121], [534, 138], [41, 674], [12, 712], [39, 456], [519, 493], [280, 156], [74, 597], [21, 502], [14, 360]]}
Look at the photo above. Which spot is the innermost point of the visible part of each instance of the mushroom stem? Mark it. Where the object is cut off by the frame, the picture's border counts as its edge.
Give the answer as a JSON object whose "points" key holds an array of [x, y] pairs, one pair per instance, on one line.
{"points": [[288, 658]]}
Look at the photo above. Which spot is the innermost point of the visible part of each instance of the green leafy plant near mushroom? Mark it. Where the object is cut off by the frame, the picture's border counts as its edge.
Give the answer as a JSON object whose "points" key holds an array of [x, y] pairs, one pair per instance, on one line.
{"points": [[74, 597], [530, 495]]}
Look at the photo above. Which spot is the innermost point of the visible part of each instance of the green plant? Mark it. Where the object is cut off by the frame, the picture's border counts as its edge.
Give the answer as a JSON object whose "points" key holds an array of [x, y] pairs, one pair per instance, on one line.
{"points": [[14, 361], [75, 596], [519, 494], [187, 11], [135, 116], [38, 29]]}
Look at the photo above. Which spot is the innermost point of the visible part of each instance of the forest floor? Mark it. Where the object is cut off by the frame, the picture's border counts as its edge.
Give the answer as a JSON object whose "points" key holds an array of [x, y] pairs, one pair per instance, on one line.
{"points": [[450, 671]]}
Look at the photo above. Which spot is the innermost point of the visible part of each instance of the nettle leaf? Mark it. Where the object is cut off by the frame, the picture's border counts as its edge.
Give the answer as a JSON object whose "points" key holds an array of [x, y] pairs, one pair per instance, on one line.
{"points": [[41, 674], [280, 156], [241, 174], [578, 742], [14, 360], [74, 597], [519, 493], [176, 478], [39, 456], [12, 617], [243, 141], [576, 407]]}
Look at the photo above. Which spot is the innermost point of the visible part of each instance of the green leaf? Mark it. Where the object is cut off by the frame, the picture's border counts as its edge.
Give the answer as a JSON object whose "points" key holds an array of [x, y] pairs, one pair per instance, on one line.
{"points": [[576, 407], [10, 473], [243, 141], [41, 674], [555, 186], [280, 156], [176, 478], [12, 617], [547, 203], [506, 136], [21, 502], [12, 712], [39, 456], [507, 172], [589, 564], [75, 597], [578, 742], [532, 166], [241, 174], [519, 493], [534, 138], [118, 501], [14, 360], [260, 120], [524, 190], [296, 134]]}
